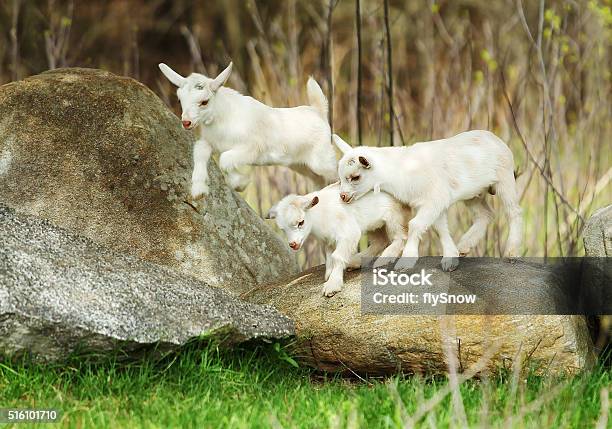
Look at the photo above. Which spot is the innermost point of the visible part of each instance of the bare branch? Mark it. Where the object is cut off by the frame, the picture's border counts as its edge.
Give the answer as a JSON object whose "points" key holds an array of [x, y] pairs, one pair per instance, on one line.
{"points": [[15, 39], [359, 69], [531, 156], [194, 49], [389, 72], [330, 59]]}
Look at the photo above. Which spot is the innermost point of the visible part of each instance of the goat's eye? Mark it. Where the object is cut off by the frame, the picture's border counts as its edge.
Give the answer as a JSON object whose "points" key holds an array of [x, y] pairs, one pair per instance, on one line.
{"points": [[203, 102], [356, 178], [300, 224]]}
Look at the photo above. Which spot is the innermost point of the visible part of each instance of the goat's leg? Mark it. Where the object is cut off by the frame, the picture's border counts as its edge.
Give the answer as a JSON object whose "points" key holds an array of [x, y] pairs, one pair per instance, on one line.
{"points": [[378, 242], [392, 251], [339, 257], [395, 226], [506, 190], [199, 178], [324, 165], [425, 217], [482, 216], [235, 158], [237, 180], [450, 253], [328, 262], [307, 172], [231, 160]]}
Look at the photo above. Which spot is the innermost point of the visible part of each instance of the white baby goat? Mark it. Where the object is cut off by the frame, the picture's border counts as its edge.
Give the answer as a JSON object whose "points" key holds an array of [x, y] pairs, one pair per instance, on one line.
{"points": [[430, 177], [340, 226], [247, 132]]}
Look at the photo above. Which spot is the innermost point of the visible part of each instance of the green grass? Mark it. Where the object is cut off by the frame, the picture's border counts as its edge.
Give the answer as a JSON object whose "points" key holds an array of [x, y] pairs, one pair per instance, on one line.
{"points": [[256, 386]]}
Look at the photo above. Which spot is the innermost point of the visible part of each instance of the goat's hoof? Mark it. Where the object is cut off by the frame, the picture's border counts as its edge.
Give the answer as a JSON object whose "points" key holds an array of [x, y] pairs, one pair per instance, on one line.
{"points": [[464, 253], [354, 265], [330, 289], [198, 192], [449, 263], [381, 262], [405, 263], [238, 183]]}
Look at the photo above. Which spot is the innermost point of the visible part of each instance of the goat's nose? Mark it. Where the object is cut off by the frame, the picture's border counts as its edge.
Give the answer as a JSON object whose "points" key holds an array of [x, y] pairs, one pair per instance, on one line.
{"points": [[294, 245], [186, 124], [343, 196]]}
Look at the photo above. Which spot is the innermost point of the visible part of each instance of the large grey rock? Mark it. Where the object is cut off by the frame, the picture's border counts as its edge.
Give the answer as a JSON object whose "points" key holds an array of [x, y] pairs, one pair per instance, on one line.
{"points": [[61, 293], [598, 233], [598, 268], [102, 155], [333, 334]]}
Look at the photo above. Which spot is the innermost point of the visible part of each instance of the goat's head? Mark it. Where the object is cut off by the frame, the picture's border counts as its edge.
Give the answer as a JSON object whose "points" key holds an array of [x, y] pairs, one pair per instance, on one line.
{"points": [[196, 94], [355, 171], [292, 216]]}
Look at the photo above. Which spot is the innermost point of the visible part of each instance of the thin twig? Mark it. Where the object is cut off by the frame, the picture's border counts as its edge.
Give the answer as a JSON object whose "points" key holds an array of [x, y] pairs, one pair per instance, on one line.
{"points": [[194, 49], [602, 421], [531, 156], [425, 407], [330, 59], [15, 39], [389, 71], [359, 69], [447, 326]]}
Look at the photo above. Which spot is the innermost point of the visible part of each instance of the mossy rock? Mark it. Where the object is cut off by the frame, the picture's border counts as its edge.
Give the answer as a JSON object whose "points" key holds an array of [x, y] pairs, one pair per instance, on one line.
{"points": [[103, 156]]}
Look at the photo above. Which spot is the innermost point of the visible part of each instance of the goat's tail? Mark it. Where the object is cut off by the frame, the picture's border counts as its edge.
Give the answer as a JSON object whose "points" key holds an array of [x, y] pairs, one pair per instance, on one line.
{"points": [[316, 98]]}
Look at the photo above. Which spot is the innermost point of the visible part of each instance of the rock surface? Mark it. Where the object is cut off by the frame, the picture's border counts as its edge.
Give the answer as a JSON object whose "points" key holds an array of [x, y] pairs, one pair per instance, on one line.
{"points": [[598, 233], [334, 335], [598, 244], [61, 293], [102, 156]]}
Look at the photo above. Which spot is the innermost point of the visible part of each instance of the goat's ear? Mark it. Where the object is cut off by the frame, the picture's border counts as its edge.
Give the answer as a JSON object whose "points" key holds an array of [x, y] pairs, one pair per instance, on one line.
{"points": [[220, 80], [172, 76], [341, 144], [311, 203], [273, 212], [364, 162]]}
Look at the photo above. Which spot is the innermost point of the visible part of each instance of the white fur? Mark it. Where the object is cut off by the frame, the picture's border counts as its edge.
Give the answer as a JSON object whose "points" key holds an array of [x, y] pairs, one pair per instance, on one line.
{"points": [[247, 132], [340, 226], [430, 177]]}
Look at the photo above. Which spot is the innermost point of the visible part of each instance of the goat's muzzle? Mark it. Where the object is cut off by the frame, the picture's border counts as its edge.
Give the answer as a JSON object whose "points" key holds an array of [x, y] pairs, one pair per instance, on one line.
{"points": [[186, 124], [294, 245]]}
